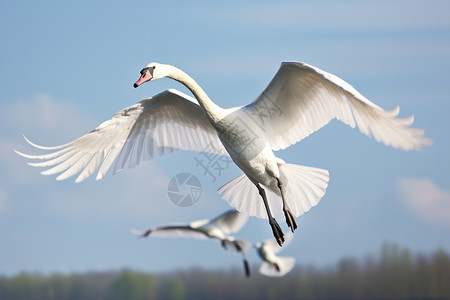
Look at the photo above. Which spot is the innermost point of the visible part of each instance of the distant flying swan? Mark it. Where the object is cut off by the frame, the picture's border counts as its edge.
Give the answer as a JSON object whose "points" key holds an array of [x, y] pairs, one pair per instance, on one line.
{"points": [[218, 228], [274, 266], [299, 100]]}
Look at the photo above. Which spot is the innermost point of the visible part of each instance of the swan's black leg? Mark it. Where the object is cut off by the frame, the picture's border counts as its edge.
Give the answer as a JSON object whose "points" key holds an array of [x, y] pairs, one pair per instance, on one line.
{"points": [[240, 250], [224, 245], [277, 233], [246, 268], [290, 219], [237, 246]]}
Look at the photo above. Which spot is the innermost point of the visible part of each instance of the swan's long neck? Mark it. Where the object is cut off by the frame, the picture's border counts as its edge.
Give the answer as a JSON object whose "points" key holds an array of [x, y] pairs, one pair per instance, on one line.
{"points": [[213, 111]]}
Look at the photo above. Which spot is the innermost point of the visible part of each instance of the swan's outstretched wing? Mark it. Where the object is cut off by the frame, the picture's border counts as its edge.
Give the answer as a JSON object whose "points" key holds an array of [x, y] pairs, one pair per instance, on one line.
{"points": [[153, 127], [230, 221], [175, 231], [301, 99]]}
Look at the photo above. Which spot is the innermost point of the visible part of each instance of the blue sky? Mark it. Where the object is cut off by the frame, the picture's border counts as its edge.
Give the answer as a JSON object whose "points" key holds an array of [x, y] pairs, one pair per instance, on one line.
{"points": [[67, 67]]}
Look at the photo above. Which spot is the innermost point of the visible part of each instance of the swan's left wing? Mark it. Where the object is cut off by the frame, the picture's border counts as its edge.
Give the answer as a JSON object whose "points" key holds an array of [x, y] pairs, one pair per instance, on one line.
{"points": [[229, 222], [301, 99], [153, 127], [174, 231]]}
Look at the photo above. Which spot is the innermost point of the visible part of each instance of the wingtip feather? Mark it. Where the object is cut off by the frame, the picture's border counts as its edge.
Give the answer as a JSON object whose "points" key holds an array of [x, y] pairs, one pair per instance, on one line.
{"points": [[139, 233], [44, 147]]}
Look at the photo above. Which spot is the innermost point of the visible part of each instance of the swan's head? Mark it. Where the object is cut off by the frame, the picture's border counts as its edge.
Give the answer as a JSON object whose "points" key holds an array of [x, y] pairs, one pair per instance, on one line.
{"points": [[151, 71]]}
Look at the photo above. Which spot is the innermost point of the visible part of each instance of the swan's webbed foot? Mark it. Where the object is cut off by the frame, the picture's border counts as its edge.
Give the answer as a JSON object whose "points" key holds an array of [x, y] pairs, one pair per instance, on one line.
{"points": [[277, 233], [290, 219]]}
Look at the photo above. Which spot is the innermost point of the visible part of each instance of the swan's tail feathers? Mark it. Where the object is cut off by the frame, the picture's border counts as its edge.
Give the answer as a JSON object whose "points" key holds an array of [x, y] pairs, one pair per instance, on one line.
{"points": [[304, 187], [243, 195], [280, 267]]}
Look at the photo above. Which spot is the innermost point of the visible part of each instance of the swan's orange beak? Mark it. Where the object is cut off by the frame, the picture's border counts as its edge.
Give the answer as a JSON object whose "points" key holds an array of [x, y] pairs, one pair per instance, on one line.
{"points": [[146, 76]]}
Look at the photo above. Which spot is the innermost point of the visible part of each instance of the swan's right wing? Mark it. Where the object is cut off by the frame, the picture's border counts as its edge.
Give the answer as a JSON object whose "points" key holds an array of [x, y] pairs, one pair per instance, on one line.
{"points": [[174, 231], [230, 221], [153, 127], [301, 99]]}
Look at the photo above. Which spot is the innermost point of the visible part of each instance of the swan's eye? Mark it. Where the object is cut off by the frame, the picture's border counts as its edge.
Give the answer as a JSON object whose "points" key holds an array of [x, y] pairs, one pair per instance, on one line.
{"points": [[154, 67]]}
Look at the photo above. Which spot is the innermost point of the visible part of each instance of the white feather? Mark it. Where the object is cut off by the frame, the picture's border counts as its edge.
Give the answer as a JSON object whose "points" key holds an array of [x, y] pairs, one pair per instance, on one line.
{"points": [[308, 98], [230, 222], [143, 130], [305, 186]]}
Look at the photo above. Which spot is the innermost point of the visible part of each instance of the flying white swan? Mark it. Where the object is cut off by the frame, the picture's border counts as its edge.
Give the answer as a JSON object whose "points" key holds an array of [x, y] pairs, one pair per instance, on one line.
{"points": [[274, 266], [299, 100], [217, 228]]}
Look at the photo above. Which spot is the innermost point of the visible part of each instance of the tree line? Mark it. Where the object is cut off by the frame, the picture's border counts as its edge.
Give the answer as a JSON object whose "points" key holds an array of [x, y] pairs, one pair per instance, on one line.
{"points": [[394, 274]]}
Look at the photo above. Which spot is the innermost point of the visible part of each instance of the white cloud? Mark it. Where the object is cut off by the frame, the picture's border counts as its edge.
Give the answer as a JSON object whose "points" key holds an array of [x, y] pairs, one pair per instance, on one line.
{"points": [[426, 199]]}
